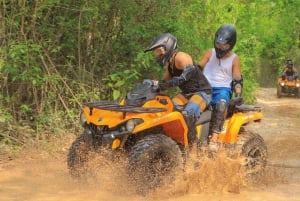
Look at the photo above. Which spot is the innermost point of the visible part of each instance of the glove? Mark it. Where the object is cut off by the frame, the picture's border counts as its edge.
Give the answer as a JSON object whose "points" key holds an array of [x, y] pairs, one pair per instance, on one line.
{"points": [[155, 83], [148, 82], [238, 100], [151, 82]]}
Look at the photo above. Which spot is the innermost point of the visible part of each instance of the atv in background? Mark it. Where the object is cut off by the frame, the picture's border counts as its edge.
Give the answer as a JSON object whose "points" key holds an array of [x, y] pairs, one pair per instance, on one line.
{"points": [[151, 133], [288, 87]]}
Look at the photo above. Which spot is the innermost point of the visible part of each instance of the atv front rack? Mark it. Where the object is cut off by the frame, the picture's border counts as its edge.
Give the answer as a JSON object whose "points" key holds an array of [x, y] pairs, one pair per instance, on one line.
{"points": [[113, 106]]}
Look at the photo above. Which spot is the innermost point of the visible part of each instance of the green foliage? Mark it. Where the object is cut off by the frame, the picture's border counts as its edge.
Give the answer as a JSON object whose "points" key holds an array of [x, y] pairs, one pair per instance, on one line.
{"points": [[278, 32], [118, 83], [56, 54]]}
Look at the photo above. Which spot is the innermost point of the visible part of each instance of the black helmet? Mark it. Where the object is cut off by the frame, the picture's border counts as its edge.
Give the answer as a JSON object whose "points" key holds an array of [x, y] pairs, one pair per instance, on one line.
{"points": [[168, 42], [226, 34]]}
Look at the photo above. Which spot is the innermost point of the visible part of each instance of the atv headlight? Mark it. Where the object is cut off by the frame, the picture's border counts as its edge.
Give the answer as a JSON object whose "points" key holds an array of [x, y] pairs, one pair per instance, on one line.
{"points": [[82, 119], [282, 84], [130, 125], [297, 85]]}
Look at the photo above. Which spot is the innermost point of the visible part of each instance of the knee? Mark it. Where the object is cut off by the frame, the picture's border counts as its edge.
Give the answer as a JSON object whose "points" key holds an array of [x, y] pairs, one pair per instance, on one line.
{"points": [[221, 106], [192, 110]]}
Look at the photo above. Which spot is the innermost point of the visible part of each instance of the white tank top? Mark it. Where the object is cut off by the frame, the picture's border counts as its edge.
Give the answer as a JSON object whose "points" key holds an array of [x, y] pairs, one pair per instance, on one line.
{"points": [[219, 71]]}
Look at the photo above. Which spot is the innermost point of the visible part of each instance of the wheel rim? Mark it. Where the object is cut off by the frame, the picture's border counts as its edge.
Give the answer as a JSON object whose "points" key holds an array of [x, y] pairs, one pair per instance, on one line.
{"points": [[254, 160], [159, 166]]}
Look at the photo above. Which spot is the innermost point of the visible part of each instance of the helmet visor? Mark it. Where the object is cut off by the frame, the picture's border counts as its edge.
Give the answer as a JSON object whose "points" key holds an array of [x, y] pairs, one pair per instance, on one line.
{"points": [[222, 46], [159, 51]]}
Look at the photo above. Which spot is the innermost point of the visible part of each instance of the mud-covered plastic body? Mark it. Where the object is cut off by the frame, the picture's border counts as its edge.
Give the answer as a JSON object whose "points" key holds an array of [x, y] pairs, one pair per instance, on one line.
{"points": [[288, 87]]}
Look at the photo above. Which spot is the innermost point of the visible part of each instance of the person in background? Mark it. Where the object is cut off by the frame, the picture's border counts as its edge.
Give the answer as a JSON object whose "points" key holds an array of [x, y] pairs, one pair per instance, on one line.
{"points": [[222, 68], [289, 72], [180, 71]]}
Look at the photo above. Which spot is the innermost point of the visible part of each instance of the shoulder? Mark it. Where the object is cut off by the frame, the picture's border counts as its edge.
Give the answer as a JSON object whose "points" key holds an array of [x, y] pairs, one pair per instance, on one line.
{"points": [[205, 58], [236, 58], [183, 59], [182, 55], [208, 53]]}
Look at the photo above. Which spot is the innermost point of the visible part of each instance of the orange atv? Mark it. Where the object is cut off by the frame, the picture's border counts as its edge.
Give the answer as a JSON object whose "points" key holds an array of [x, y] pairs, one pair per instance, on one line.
{"points": [[288, 87], [152, 133]]}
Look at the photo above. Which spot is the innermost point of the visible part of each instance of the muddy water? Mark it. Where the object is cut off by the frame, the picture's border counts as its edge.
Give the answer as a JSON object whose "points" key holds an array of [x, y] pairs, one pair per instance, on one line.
{"points": [[41, 175]]}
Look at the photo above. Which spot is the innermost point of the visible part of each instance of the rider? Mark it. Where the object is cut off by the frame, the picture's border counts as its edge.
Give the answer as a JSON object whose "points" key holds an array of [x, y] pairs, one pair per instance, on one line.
{"points": [[180, 71], [222, 68], [289, 72]]}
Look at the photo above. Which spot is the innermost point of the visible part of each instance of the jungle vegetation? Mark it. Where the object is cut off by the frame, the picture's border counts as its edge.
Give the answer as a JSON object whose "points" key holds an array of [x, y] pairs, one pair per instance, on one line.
{"points": [[56, 54]]}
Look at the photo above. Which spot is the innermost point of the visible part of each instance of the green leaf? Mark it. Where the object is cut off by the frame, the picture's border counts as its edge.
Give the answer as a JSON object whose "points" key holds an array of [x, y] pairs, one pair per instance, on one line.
{"points": [[120, 83], [116, 94]]}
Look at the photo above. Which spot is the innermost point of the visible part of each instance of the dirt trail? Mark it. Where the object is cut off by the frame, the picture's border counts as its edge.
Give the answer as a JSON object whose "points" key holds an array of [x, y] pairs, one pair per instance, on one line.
{"points": [[39, 175]]}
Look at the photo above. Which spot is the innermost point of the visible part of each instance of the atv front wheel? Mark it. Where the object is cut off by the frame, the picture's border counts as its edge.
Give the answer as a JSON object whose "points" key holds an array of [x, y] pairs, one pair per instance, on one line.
{"points": [[154, 161], [298, 92], [279, 91], [254, 153], [78, 155]]}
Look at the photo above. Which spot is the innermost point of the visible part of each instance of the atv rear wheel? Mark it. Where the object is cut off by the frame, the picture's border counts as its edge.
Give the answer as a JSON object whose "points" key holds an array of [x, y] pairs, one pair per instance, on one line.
{"points": [[154, 161], [254, 153]]}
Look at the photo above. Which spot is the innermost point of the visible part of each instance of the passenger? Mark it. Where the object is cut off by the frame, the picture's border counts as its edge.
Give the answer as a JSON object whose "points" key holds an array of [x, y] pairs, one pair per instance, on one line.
{"points": [[222, 68]]}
